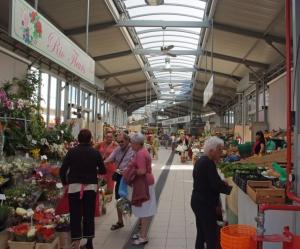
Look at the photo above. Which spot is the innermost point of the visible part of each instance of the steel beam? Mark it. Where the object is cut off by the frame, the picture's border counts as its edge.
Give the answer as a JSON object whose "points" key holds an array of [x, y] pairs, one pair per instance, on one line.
{"points": [[186, 69], [163, 24], [126, 85], [249, 33], [92, 28], [135, 92], [112, 55], [237, 60], [110, 75], [134, 100], [141, 51]]}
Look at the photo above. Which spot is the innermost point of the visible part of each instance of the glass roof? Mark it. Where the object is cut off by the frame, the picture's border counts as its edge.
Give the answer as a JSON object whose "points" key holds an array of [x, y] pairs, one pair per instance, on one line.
{"points": [[169, 38]]}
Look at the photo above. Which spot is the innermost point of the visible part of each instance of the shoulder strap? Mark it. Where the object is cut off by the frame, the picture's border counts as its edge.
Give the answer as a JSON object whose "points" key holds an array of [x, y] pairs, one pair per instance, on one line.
{"points": [[123, 156]]}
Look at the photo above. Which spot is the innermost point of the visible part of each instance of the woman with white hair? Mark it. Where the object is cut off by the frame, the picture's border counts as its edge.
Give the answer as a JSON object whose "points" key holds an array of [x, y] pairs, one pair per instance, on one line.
{"points": [[139, 175], [207, 187]]}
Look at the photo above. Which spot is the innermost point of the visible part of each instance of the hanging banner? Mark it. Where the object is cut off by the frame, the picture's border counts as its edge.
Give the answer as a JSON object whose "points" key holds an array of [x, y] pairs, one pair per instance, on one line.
{"points": [[208, 91], [32, 29], [184, 119]]}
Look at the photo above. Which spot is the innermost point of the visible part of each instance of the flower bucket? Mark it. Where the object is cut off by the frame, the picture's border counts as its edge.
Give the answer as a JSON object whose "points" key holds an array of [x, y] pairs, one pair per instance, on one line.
{"points": [[21, 245], [53, 245]]}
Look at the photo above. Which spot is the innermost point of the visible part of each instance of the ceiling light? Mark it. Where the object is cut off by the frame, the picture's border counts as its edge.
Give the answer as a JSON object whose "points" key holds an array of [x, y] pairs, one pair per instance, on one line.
{"points": [[154, 2], [174, 102], [172, 90], [162, 109], [167, 63]]}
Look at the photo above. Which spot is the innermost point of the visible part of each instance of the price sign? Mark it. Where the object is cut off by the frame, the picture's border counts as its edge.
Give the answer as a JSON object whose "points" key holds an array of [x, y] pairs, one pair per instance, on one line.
{"points": [[59, 185]]}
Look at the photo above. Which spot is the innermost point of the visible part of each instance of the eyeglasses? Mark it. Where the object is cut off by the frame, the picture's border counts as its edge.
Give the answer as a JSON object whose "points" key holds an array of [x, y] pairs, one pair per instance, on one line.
{"points": [[121, 142]]}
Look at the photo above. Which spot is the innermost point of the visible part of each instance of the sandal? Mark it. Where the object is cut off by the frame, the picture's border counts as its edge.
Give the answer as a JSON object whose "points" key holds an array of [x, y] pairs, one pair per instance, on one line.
{"points": [[140, 241], [135, 236], [116, 226]]}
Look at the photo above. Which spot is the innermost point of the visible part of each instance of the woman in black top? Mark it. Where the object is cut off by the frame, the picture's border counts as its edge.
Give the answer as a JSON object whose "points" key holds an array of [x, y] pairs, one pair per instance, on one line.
{"points": [[259, 146], [79, 171], [207, 187]]}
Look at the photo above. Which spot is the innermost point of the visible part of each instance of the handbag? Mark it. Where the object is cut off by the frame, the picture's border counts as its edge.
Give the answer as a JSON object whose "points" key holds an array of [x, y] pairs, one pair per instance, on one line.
{"points": [[116, 176]]}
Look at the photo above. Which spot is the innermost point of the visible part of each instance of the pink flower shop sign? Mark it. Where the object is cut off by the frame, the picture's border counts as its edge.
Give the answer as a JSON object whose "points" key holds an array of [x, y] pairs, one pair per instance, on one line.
{"points": [[35, 31]]}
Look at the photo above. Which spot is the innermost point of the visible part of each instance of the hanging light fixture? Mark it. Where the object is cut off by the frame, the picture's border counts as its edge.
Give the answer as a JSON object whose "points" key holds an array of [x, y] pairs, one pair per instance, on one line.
{"points": [[154, 2], [167, 63]]}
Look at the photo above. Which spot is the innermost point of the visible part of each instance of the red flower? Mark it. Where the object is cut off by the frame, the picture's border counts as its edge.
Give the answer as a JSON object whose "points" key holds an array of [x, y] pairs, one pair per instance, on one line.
{"points": [[46, 233], [33, 15], [20, 230], [38, 27]]}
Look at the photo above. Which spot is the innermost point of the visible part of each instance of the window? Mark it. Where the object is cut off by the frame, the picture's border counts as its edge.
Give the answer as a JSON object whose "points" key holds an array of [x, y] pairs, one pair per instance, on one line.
{"points": [[62, 100], [52, 100], [44, 95]]}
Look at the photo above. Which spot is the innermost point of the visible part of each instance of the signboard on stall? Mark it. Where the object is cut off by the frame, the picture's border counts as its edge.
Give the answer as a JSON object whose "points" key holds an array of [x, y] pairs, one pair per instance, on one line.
{"points": [[184, 119], [208, 91], [32, 29]]}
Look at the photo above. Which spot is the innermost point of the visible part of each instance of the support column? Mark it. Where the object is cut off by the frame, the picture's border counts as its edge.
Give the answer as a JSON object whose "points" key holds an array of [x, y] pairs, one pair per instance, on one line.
{"points": [[257, 101], [296, 57]]}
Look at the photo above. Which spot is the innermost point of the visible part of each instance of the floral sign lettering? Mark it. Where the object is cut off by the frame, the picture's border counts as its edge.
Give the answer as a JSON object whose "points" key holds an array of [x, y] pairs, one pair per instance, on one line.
{"points": [[35, 31]]}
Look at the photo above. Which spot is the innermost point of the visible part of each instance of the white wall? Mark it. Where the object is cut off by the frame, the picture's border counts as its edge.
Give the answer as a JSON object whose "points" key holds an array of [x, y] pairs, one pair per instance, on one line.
{"points": [[10, 68], [277, 104]]}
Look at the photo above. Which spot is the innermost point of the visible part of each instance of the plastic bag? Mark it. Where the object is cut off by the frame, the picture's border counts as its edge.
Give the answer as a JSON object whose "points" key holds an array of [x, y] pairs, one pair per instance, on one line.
{"points": [[123, 188]]}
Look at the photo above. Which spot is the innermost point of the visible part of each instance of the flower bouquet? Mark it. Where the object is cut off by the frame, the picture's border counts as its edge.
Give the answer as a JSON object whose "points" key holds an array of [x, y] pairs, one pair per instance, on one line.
{"points": [[45, 234], [22, 195], [62, 223], [44, 216], [22, 233]]}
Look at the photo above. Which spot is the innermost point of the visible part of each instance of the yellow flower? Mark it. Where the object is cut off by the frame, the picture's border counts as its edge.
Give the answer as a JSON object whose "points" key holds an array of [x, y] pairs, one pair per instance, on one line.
{"points": [[35, 153]]}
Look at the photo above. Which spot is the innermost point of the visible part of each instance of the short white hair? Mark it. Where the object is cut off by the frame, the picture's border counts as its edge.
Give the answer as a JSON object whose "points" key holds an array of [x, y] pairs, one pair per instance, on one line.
{"points": [[211, 144], [137, 138]]}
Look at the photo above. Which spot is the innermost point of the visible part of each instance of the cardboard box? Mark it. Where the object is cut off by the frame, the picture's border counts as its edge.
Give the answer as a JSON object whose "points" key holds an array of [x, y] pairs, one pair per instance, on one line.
{"points": [[264, 192], [4, 237], [21, 245], [54, 245]]}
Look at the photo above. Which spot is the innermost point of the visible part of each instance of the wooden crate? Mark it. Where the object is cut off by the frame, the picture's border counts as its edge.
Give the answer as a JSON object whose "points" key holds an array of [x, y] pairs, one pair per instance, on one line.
{"points": [[21, 245], [265, 192], [64, 240], [4, 237], [54, 245]]}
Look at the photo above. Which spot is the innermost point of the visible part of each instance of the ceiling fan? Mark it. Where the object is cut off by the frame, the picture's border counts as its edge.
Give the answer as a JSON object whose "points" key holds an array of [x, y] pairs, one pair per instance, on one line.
{"points": [[166, 49]]}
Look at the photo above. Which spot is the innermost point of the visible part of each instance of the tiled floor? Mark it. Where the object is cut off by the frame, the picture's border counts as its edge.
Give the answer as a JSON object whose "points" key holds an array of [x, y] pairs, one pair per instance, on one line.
{"points": [[172, 227]]}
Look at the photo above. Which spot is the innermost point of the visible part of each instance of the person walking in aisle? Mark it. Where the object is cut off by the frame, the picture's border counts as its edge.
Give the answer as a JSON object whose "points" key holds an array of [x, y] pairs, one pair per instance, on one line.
{"points": [[207, 187], [106, 148], [79, 171], [139, 175], [121, 156]]}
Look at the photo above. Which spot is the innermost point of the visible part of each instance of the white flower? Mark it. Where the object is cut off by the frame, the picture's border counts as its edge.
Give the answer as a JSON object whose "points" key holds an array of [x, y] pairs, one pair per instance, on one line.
{"points": [[44, 141], [33, 141], [44, 157], [20, 104]]}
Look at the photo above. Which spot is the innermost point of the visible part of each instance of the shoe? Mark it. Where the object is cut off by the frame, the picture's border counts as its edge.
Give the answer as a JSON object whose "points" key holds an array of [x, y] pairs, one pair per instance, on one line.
{"points": [[135, 236], [140, 241], [116, 226]]}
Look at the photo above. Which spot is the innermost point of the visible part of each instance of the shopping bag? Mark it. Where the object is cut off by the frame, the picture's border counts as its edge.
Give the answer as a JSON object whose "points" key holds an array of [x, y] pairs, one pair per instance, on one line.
{"points": [[123, 188], [97, 205], [62, 206]]}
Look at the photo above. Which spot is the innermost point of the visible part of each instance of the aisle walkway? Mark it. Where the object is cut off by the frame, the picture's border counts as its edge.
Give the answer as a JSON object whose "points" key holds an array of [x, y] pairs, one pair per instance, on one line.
{"points": [[172, 227]]}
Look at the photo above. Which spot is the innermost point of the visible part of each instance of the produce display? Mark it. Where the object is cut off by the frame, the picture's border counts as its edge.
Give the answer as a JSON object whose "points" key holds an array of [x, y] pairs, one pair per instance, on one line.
{"points": [[229, 169]]}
